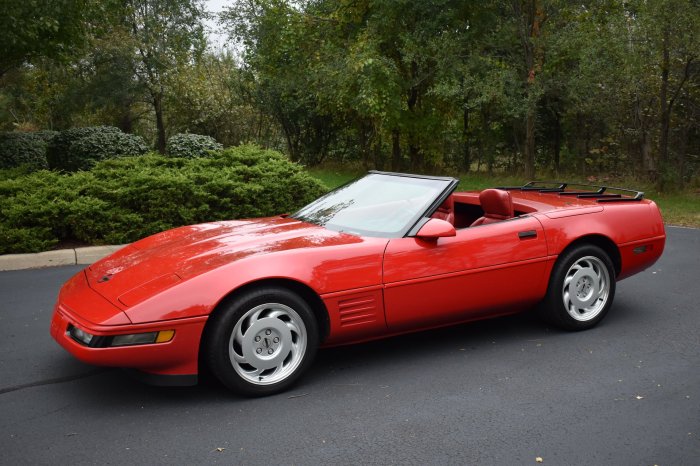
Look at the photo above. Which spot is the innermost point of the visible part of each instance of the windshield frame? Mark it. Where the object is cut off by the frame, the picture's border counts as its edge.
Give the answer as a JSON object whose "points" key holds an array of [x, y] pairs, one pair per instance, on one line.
{"points": [[413, 225]]}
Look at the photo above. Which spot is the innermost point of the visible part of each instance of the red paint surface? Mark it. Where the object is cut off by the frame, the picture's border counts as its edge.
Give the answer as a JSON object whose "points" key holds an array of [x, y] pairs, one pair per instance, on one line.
{"points": [[370, 287]]}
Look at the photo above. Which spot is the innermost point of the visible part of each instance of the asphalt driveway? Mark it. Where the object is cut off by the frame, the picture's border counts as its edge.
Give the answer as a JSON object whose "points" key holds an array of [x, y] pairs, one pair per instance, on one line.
{"points": [[504, 391]]}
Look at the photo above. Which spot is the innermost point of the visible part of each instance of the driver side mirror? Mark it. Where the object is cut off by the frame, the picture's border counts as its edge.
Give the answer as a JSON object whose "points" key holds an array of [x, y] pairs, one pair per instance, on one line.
{"points": [[436, 228]]}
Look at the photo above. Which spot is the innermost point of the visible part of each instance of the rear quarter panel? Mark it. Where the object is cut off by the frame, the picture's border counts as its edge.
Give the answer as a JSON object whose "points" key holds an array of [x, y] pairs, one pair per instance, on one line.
{"points": [[636, 228]]}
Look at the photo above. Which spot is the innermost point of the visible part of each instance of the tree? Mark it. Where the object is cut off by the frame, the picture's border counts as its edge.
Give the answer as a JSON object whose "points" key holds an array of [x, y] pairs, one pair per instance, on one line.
{"points": [[677, 35], [215, 97], [32, 29], [165, 35]]}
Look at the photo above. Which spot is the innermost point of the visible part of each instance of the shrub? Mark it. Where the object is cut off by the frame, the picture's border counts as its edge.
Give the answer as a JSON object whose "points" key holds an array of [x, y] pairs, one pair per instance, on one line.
{"points": [[58, 154], [80, 148], [124, 199], [98, 146], [191, 145], [24, 149], [46, 135]]}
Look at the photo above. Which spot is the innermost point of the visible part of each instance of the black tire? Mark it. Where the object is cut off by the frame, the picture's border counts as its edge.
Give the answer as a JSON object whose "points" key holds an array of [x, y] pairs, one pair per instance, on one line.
{"points": [[581, 288], [275, 341]]}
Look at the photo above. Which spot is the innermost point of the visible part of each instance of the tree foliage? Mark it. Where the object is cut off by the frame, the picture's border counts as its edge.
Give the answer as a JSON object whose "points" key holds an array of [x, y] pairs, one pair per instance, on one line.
{"points": [[165, 34], [599, 87], [38, 28], [525, 85]]}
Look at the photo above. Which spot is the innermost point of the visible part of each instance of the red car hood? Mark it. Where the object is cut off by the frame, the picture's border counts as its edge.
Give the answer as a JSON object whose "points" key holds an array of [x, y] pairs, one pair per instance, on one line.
{"points": [[156, 263]]}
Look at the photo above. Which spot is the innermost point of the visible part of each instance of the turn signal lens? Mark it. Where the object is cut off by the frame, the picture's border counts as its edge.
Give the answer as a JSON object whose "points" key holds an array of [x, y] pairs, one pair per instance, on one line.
{"points": [[165, 336]]}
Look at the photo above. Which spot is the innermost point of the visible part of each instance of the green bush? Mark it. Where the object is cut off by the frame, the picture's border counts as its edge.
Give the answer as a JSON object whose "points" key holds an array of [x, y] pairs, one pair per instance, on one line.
{"points": [[124, 199], [191, 145], [19, 149], [80, 148], [105, 145]]}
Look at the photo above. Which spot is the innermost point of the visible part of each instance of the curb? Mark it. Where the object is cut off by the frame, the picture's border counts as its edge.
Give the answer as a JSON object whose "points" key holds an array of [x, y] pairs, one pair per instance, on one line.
{"points": [[77, 256]]}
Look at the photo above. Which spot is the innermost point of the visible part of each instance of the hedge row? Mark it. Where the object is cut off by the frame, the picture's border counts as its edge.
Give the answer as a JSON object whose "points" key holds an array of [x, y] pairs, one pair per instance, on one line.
{"points": [[122, 200], [80, 148], [25, 149]]}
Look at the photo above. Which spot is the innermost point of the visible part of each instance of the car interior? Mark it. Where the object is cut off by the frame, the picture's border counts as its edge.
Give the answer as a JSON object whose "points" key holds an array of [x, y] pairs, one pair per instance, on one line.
{"points": [[466, 210]]}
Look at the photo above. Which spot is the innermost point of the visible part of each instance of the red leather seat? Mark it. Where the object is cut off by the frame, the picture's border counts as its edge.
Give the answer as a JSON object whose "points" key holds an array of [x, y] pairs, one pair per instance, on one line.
{"points": [[446, 211], [497, 206]]}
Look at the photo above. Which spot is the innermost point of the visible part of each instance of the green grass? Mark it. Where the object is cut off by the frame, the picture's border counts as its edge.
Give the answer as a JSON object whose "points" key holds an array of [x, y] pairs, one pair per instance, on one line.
{"points": [[679, 208], [334, 177]]}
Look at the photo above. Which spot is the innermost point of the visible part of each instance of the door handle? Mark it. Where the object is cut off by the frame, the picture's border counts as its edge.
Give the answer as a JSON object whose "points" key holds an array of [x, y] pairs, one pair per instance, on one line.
{"points": [[527, 234]]}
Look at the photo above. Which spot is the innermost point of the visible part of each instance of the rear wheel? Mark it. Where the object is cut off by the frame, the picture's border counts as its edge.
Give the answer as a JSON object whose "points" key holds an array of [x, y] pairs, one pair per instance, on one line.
{"points": [[262, 341], [581, 288]]}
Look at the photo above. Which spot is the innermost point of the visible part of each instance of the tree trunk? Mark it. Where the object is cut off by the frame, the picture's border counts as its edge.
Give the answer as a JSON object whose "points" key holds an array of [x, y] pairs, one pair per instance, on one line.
{"points": [[557, 142], [466, 157], [532, 17], [484, 146], [530, 144], [377, 149], [665, 109], [364, 147], [414, 153], [647, 156], [126, 122], [160, 125], [681, 152], [518, 150], [395, 150]]}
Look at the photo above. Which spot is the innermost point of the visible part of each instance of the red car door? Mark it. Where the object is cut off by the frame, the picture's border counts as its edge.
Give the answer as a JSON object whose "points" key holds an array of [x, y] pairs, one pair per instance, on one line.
{"points": [[484, 270]]}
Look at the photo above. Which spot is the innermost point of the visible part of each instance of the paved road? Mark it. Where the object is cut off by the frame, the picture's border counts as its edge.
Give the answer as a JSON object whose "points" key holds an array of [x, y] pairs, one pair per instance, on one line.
{"points": [[498, 392]]}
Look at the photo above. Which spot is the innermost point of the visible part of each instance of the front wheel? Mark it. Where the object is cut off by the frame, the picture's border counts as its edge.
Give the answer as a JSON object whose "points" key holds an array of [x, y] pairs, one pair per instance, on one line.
{"points": [[262, 341], [581, 288]]}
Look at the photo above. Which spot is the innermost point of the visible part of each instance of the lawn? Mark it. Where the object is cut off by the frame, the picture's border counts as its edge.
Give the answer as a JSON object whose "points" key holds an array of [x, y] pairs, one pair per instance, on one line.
{"points": [[679, 208]]}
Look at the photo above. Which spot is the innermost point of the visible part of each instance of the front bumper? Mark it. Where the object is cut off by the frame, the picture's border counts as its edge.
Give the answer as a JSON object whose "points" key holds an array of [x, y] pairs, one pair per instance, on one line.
{"points": [[178, 357]]}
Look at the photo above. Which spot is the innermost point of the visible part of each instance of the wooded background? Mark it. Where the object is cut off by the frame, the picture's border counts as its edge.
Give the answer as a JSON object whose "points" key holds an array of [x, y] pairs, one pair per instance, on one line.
{"points": [[596, 88]]}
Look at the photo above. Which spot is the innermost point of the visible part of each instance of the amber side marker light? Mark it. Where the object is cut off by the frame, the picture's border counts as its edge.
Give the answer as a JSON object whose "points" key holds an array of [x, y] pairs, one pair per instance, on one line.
{"points": [[165, 336]]}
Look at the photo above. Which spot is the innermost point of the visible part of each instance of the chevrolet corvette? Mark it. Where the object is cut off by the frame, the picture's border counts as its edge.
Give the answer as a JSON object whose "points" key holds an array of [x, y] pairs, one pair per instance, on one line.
{"points": [[386, 254]]}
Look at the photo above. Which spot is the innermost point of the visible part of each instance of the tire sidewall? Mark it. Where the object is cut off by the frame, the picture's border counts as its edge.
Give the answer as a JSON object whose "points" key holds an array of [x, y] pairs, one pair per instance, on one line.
{"points": [[221, 325], [554, 309]]}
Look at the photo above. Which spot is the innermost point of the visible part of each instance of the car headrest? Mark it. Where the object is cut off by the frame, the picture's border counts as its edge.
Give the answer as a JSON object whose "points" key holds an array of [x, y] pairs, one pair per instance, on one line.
{"points": [[496, 203]]}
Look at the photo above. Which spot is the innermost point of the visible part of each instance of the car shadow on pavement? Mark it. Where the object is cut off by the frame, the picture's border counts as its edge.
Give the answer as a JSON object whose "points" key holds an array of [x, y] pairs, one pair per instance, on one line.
{"points": [[333, 367], [345, 366]]}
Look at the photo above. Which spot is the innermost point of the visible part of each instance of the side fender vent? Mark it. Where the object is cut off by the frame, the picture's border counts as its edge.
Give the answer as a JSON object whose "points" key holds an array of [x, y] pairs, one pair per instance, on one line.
{"points": [[357, 310]]}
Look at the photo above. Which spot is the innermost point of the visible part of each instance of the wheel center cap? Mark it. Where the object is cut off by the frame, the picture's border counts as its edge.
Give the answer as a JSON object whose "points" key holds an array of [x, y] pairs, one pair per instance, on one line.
{"points": [[267, 342], [583, 287]]}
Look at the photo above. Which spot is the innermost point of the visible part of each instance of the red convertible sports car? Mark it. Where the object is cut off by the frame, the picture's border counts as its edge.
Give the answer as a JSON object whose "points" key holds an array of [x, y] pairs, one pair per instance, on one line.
{"points": [[386, 254]]}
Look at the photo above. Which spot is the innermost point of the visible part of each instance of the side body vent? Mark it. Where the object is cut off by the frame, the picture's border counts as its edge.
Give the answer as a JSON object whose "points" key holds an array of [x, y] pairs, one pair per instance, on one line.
{"points": [[355, 315], [357, 310]]}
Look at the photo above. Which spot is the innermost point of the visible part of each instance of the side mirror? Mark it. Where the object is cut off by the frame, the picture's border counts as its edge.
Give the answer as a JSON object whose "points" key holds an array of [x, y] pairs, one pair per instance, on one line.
{"points": [[436, 228]]}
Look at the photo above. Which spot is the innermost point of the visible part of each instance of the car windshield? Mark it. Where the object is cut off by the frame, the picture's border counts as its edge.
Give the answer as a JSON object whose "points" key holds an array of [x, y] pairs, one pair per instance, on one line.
{"points": [[378, 204]]}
